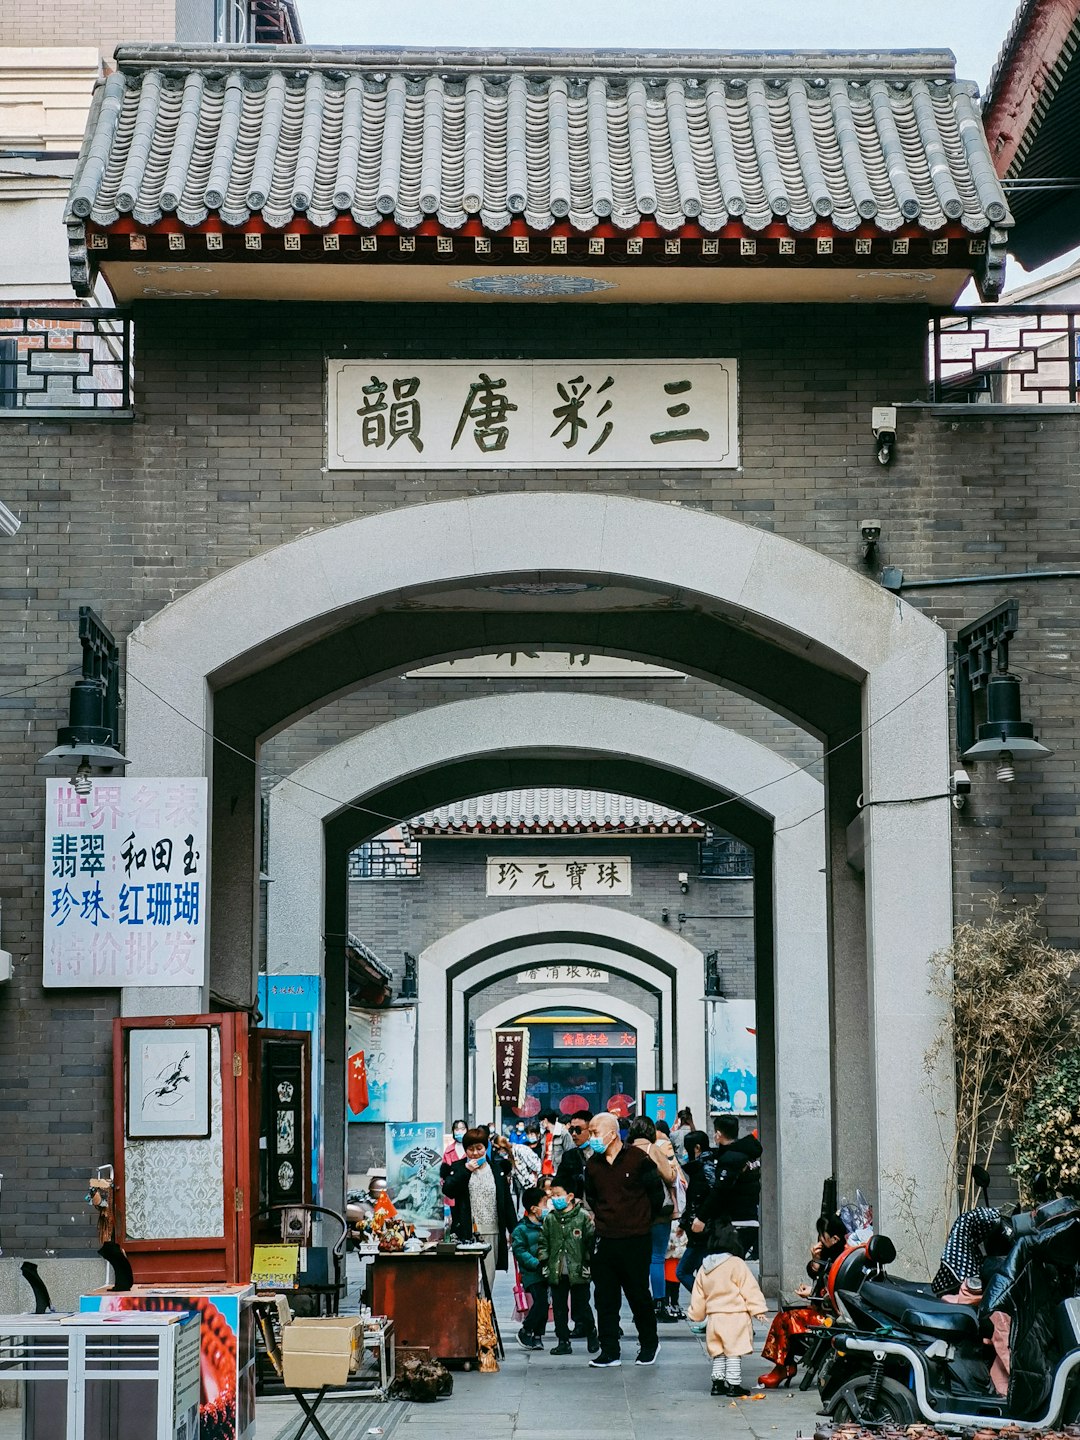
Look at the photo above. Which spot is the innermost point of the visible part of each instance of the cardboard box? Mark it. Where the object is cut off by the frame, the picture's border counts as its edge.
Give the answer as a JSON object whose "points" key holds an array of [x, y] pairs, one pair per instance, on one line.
{"points": [[323, 1351]]}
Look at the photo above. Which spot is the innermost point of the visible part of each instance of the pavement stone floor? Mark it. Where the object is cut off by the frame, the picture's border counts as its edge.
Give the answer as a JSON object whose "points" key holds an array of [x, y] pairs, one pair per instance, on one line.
{"points": [[535, 1396]]}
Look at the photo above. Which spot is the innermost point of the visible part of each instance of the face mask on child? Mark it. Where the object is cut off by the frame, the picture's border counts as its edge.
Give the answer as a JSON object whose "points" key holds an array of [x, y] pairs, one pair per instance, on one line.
{"points": [[560, 1202]]}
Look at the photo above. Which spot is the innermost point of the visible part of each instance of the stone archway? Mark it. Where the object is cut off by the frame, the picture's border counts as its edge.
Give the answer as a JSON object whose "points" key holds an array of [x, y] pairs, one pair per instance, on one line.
{"points": [[499, 1014], [756, 612]]}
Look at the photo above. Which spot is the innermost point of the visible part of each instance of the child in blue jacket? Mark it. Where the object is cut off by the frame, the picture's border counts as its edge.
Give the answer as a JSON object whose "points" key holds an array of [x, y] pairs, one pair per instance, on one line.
{"points": [[526, 1243]]}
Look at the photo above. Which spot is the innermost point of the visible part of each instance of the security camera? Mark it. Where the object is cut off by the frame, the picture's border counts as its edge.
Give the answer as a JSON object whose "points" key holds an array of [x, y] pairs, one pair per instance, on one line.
{"points": [[684, 881], [9, 522], [960, 788], [883, 424], [870, 530]]}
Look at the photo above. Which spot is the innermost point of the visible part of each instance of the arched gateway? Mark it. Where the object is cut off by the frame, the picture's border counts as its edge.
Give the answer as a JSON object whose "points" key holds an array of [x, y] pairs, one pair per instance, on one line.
{"points": [[277, 636]]}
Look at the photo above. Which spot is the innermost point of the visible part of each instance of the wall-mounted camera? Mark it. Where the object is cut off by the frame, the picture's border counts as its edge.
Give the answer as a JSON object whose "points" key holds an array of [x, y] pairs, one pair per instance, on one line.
{"points": [[883, 424]]}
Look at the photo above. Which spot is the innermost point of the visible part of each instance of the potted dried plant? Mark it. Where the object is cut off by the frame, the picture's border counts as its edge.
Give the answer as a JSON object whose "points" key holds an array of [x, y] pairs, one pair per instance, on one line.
{"points": [[1011, 1009]]}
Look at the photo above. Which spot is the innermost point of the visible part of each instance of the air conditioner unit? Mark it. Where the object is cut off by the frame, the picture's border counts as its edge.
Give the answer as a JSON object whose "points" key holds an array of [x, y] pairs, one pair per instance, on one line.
{"points": [[104, 1377]]}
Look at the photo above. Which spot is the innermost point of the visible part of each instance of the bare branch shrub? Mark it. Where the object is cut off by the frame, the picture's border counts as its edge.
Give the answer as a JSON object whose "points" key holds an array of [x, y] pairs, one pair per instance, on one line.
{"points": [[1011, 1009]]}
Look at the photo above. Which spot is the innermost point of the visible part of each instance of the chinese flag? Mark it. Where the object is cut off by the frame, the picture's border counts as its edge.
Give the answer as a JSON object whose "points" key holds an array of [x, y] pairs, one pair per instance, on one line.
{"points": [[384, 1205], [357, 1089]]}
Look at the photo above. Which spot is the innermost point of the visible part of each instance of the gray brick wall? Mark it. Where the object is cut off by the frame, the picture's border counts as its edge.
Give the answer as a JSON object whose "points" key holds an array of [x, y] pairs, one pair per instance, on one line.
{"points": [[224, 460]]}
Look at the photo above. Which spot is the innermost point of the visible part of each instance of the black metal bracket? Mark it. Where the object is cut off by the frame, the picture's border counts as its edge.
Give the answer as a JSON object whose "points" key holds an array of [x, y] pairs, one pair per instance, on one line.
{"points": [[980, 651]]}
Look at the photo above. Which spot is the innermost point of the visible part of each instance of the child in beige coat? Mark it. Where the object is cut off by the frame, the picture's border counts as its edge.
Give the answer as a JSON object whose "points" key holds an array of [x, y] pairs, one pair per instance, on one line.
{"points": [[725, 1301]]}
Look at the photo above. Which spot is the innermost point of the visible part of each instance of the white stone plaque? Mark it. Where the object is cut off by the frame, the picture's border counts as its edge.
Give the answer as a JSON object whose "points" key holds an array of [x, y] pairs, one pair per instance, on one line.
{"points": [[505, 414], [126, 892], [558, 875]]}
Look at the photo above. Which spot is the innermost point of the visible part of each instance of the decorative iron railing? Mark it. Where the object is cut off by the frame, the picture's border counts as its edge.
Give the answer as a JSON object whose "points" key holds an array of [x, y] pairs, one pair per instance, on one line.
{"points": [[1005, 355], [65, 362]]}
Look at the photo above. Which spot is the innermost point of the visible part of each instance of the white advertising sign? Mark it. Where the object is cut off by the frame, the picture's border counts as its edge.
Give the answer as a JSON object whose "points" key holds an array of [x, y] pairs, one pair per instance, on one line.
{"points": [[501, 414], [126, 883], [580, 875]]}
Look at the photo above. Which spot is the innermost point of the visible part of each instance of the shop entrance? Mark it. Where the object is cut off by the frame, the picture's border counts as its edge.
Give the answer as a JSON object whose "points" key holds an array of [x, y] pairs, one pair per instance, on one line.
{"points": [[579, 1060]]}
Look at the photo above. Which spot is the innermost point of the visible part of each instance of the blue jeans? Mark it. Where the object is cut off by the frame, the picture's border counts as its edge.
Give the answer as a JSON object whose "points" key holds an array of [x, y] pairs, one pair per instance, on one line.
{"points": [[689, 1265], [661, 1234]]}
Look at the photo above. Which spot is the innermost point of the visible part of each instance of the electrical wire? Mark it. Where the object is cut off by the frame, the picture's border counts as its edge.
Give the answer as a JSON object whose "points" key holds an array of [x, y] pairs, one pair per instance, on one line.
{"points": [[718, 805], [34, 684]]}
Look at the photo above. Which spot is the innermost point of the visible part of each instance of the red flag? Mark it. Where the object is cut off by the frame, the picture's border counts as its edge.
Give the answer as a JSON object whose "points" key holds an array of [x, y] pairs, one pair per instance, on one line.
{"points": [[357, 1089], [385, 1206]]}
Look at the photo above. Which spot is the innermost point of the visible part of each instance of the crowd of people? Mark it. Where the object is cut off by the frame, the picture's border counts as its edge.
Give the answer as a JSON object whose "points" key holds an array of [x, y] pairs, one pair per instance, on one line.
{"points": [[596, 1210]]}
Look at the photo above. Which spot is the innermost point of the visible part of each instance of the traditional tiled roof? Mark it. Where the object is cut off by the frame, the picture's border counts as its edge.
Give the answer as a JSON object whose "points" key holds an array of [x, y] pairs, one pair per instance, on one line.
{"points": [[843, 141], [551, 812]]}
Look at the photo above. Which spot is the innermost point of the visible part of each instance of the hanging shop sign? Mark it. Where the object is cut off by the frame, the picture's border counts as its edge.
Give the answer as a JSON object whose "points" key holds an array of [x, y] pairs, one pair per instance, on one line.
{"points": [[555, 875], [500, 414], [511, 1065], [126, 883]]}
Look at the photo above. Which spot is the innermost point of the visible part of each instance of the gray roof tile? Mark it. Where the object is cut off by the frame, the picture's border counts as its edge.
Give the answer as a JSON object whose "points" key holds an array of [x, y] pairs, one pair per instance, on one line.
{"points": [[289, 131], [528, 812]]}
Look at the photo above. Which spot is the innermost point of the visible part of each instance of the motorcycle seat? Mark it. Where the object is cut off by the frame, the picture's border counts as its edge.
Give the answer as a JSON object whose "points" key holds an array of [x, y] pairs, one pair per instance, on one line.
{"points": [[928, 1317]]}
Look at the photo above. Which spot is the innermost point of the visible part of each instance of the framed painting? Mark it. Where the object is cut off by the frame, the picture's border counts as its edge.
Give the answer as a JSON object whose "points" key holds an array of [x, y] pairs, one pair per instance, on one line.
{"points": [[168, 1083], [659, 1105]]}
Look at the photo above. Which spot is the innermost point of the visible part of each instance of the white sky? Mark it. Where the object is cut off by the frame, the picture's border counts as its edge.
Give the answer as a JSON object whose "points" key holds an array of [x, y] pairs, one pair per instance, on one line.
{"points": [[972, 29]]}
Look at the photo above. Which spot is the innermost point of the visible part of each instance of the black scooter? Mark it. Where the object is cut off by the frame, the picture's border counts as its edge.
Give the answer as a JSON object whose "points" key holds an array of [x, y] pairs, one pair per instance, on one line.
{"points": [[899, 1354]]}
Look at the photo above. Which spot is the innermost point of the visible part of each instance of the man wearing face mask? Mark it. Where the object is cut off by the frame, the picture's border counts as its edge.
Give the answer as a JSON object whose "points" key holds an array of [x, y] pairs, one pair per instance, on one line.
{"points": [[626, 1195]]}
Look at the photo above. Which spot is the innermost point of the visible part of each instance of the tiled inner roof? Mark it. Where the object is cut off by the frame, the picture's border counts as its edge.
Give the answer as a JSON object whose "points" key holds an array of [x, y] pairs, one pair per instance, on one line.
{"points": [[529, 812], [801, 139]]}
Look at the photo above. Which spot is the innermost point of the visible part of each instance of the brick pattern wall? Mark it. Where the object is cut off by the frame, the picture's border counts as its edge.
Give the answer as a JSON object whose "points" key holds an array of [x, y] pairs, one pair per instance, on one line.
{"points": [[224, 460], [104, 23]]}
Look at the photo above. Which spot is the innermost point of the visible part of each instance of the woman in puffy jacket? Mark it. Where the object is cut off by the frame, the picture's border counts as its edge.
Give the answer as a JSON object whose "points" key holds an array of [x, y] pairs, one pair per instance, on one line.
{"points": [[658, 1147]]}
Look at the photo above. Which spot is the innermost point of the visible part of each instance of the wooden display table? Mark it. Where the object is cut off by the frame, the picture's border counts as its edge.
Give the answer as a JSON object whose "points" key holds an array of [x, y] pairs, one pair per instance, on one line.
{"points": [[431, 1299]]}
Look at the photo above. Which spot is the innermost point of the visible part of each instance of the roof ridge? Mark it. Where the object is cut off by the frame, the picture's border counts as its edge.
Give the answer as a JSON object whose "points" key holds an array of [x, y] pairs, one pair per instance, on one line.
{"points": [[847, 62]]}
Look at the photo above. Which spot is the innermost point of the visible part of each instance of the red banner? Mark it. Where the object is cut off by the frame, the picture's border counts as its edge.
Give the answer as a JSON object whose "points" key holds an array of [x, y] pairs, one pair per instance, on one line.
{"points": [[511, 1065], [357, 1084]]}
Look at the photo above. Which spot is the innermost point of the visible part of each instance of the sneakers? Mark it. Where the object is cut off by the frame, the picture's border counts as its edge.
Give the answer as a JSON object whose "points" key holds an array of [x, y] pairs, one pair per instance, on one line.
{"points": [[578, 1333], [562, 1348], [529, 1342], [605, 1362], [663, 1313], [647, 1357], [592, 1340]]}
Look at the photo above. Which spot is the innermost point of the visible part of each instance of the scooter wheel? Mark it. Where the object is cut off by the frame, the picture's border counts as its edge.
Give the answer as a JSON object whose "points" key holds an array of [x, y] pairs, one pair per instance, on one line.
{"points": [[894, 1404]]}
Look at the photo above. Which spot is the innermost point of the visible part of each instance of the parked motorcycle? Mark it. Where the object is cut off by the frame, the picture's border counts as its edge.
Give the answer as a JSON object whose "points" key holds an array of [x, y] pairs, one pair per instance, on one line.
{"points": [[899, 1354]]}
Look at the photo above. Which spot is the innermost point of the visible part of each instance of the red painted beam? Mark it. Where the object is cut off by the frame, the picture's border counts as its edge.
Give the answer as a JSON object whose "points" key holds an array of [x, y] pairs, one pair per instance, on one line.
{"points": [[1043, 30]]}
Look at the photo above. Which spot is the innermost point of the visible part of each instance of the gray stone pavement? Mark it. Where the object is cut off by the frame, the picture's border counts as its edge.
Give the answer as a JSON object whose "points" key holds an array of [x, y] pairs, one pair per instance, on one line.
{"points": [[535, 1396]]}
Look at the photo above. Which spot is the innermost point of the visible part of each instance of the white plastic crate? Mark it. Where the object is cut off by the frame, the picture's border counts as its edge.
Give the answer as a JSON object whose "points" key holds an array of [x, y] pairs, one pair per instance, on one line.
{"points": [[104, 1377]]}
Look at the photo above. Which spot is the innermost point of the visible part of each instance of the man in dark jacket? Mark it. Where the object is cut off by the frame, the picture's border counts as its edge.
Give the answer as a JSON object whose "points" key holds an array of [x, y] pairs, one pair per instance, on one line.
{"points": [[626, 1195], [571, 1172], [700, 1170], [737, 1189]]}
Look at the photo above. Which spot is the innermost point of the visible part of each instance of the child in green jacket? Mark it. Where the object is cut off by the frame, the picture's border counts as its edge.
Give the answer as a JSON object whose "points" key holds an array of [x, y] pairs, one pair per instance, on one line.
{"points": [[526, 1241], [566, 1248]]}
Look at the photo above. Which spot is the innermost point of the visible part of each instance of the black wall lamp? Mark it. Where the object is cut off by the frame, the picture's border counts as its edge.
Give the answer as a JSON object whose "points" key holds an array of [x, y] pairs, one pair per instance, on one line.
{"points": [[408, 984], [714, 985], [989, 724], [88, 741]]}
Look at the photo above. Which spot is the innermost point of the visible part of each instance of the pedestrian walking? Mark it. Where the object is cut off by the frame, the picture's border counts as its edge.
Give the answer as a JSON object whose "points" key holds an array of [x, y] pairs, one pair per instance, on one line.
{"points": [[566, 1249], [725, 1302], [526, 1241], [626, 1195], [571, 1172], [701, 1168], [644, 1134]]}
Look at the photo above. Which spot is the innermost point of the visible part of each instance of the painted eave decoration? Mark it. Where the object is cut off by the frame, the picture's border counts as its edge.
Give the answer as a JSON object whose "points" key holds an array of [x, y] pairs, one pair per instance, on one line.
{"points": [[532, 175]]}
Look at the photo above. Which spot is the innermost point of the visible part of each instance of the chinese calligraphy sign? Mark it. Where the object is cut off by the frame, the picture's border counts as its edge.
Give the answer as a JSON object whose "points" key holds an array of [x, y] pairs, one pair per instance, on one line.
{"points": [[562, 975], [126, 883], [511, 1065], [498, 414], [534, 876]]}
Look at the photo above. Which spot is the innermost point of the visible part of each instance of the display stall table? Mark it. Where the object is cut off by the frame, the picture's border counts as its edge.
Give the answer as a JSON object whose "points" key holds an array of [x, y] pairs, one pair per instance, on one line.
{"points": [[431, 1298]]}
